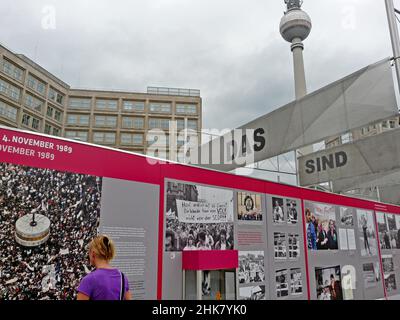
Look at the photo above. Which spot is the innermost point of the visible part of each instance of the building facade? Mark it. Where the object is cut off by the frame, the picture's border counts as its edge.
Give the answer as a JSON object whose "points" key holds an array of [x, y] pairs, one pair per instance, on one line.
{"points": [[32, 98]]}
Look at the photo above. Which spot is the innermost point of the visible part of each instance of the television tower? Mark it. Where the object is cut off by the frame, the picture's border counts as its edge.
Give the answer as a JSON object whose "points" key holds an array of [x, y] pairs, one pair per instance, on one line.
{"points": [[295, 27]]}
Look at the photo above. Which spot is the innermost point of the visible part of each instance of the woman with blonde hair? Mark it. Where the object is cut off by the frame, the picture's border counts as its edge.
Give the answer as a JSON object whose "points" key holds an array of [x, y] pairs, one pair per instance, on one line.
{"points": [[105, 282]]}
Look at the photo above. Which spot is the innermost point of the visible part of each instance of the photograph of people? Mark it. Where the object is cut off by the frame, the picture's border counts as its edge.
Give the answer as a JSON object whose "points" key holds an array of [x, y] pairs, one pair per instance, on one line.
{"points": [[291, 211], [251, 267], [311, 231], [68, 204], [321, 226], [249, 207], [329, 286], [383, 230], [211, 228], [367, 233], [252, 293], [277, 210]]}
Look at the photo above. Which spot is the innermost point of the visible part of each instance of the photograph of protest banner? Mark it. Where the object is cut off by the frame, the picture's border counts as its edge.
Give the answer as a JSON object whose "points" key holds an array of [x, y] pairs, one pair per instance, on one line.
{"points": [[249, 207], [383, 231], [368, 236], [252, 293], [282, 283], [296, 282], [47, 219], [346, 217], [388, 271], [280, 248], [277, 210], [329, 283], [292, 211], [371, 274], [321, 226], [294, 246], [198, 218], [251, 267]]}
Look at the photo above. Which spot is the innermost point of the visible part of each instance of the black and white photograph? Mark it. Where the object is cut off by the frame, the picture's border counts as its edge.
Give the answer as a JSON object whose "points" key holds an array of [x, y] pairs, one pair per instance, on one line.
{"points": [[294, 246], [296, 281], [383, 231], [249, 207], [393, 231], [277, 210], [280, 248], [47, 219], [321, 226], [198, 218], [282, 283], [292, 211], [346, 217], [329, 283], [388, 272], [251, 267], [366, 230], [252, 293], [371, 274]]}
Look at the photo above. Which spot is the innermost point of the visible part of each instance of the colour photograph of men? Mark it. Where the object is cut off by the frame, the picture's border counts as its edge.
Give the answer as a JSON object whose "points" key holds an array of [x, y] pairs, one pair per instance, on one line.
{"points": [[328, 281], [366, 229], [321, 226], [249, 207], [198, 218]]}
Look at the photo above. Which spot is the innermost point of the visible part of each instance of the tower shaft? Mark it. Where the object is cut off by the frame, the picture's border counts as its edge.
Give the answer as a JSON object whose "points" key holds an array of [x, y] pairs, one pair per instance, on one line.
{"points": [[298, 66]]}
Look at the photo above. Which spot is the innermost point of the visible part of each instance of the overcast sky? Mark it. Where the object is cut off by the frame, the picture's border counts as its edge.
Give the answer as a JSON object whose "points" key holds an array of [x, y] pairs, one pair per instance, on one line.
{"points": [[229, 49]]}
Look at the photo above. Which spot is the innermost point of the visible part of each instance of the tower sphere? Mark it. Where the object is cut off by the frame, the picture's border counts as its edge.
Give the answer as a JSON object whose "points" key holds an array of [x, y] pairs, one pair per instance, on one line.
{"points": [[295, 24]]}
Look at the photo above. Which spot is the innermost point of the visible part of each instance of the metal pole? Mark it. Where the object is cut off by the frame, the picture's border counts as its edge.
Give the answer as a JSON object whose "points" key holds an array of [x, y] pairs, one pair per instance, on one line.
{"points": [[394, 36]]}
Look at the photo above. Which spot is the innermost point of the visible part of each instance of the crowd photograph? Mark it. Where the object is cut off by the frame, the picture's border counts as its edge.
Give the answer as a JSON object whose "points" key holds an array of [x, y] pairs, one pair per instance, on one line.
{"points": [[71, 202], [251, 267], [198, 218], [252, 293], [389, 234], [321, 226]]}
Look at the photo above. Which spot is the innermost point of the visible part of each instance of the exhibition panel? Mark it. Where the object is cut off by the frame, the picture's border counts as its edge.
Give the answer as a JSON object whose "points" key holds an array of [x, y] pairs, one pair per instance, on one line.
{"points": [[182, 232]]}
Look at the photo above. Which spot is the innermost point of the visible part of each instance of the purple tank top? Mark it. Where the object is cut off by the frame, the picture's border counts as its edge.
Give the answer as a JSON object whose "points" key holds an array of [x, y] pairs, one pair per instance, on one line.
{"points": [[103, 284]]}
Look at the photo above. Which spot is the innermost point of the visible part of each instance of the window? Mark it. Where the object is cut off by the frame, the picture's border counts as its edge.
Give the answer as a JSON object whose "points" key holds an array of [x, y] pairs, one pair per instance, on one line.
{"points": [[192, 124], [47, 128], [384, 124], [36, 84], [12, 70], [186, 108], [136, 106], [77, 135], [131, 139], [105, 121], [50, 112], [56, 96], [160, 107], [180, 124], [80, 103], [8, 111], [58, 115], [104, 137], [159, 123], [104, 104], [392, 124], [9, 90], [78, 119], [30, 121], [33, 103], [132, 123]]}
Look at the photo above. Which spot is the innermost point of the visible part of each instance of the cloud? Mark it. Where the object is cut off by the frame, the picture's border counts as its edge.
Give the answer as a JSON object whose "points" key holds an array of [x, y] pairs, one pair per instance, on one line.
{"points": [[229, 49]]}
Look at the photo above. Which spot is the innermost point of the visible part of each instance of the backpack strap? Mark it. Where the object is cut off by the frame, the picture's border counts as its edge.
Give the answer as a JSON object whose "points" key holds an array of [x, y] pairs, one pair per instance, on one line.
{"points": [[122, 292]]}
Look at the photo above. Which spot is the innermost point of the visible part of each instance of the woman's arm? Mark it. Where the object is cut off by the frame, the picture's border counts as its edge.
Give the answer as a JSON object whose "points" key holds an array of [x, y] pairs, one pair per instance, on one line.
{"points": [[82, 296], [128, 295]]}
